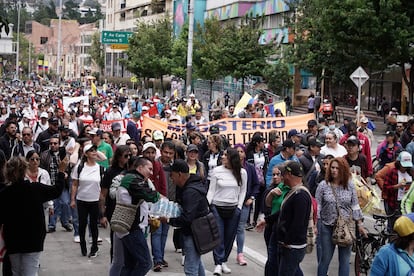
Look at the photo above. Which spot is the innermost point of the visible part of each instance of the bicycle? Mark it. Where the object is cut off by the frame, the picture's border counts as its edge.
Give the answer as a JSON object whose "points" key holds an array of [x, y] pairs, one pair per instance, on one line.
{"points": [[367, 247]]}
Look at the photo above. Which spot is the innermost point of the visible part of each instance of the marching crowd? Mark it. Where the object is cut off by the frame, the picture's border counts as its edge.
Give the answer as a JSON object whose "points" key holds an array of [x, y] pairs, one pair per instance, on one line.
{"points": [[64, 163]]}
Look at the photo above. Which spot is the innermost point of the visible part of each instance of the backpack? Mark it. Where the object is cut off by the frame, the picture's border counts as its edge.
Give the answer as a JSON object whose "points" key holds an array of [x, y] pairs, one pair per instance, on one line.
{"points": [[82, 164]]}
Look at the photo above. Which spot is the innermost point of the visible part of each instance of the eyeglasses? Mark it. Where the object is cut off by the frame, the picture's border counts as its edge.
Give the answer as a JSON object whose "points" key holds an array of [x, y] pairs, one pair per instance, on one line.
{"points": [[127, 155], [26, 134], [34, 159], [53, 143]]}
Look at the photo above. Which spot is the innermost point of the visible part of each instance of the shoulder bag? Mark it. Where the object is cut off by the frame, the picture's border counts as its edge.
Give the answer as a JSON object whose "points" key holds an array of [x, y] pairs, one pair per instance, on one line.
{"points": [[342, 234], [124, 216]]}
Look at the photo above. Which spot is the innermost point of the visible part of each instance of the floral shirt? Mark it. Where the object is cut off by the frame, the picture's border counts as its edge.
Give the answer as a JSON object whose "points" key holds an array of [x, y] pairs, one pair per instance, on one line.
{"points": [[347, 201]]}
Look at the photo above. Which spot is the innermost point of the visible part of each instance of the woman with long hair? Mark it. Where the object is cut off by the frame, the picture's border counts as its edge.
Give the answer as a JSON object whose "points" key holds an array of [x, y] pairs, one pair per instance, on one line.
{"points": [[24, 247], [107, 204], [258, 156], [226, 195], [109, 139], [85, 195], [396, 258], [213, 156], [252, 190], [336, 190], [36, 174]]}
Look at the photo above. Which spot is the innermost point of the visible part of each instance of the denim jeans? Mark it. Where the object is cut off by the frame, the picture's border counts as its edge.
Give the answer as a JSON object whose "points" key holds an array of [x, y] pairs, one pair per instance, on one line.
{"points": [[193, 265], [118, 257], [227, 229], [327, 249], [61, 209], [158, 241], [74, 213], [26, 264], [391, 211], [136, 254], [272, 263], [289, 260], [240, 229], [86, 209]]}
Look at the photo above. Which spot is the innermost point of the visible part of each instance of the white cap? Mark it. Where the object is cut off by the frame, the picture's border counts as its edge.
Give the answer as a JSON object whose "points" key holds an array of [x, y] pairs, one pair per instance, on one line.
{"points": [[44, 115], [148, 145]]}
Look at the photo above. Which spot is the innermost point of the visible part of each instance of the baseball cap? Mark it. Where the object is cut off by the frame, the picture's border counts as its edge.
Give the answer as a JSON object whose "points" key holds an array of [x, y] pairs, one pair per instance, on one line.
{"points": [[174, 108], [405, 159], [44, 115], [64, 128], [192, 147], [292, 132], [88, 147], [312, 123], [116, 126], [390, 133], [190, 126], [93, 131], [294, 168], [404, 225], [53, 120], [157, 135], [364, 120], [315, 142], [352, 140], [148, 145], [136, 114], [180, 165], [168, 111], [288, 144], [214, 129]]}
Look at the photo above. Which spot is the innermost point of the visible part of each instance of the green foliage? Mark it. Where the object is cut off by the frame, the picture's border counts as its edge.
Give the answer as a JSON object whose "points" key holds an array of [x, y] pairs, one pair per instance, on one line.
{"points": [[278, 77], [71, 10], [97, 52], [43, 13], [179, 54], [150, 48]]}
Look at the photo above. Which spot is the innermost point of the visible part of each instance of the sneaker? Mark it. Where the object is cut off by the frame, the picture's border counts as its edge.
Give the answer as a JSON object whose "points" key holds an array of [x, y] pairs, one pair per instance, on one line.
{"points": [[217, 270], [225, 268], [240, 259], [51, 230], [68, 227], [99, 240], [182, 260], [94, 253], [164, 263], [76, 239], [249, 227], [157, 267]]}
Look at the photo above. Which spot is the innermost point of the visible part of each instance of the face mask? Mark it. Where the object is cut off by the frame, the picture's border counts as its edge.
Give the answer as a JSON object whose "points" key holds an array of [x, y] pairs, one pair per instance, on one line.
{"points": [[331, 127]]}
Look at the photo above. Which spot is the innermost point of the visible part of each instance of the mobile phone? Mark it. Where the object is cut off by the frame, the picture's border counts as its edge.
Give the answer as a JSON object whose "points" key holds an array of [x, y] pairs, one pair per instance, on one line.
{"points": [[62, 153]]}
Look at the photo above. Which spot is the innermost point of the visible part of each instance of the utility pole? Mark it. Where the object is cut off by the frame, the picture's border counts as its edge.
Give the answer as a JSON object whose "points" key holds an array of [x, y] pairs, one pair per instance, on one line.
{"points": [[190, 47], [18, 42], [59, 50]]}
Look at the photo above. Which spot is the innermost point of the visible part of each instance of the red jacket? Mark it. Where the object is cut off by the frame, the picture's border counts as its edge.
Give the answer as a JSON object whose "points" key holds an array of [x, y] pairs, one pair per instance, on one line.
{"points": [[158, 178]]}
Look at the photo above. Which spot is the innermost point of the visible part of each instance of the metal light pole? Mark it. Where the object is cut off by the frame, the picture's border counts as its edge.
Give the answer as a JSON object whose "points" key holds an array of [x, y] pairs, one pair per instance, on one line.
{"points": [[59, 53], [18, 42], [190, 46]]}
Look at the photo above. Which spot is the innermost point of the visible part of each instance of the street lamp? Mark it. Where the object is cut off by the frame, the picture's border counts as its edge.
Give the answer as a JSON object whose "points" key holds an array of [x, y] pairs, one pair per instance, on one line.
{"points": [[18, 42]]}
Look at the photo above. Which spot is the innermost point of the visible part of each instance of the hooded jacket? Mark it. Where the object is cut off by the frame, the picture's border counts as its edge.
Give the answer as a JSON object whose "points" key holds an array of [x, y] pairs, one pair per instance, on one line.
{"points": [[192, 198]]}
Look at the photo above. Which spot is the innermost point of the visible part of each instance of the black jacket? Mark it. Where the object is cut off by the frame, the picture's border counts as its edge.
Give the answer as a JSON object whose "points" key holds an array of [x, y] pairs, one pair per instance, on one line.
{"points": [[21, 206], [192, 198], [9, 146], [44, 138]]}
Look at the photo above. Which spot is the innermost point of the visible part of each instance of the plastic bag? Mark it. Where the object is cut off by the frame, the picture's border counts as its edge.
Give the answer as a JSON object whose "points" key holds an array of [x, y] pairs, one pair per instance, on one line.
{"points": [[368, 198]]}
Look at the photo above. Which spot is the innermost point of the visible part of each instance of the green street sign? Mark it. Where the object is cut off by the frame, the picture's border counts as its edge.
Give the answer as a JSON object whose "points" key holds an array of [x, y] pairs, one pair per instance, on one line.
{"points": [[114, 37]]}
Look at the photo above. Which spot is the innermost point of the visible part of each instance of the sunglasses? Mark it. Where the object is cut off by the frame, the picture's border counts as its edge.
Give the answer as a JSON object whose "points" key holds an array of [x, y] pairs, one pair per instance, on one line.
{"points": [[26, 134], [53, 143], [34, 159]]}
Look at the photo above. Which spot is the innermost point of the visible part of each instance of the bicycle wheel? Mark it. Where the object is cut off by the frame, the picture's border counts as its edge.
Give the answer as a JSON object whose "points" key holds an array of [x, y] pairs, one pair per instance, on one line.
{"points": [[364, 255]]}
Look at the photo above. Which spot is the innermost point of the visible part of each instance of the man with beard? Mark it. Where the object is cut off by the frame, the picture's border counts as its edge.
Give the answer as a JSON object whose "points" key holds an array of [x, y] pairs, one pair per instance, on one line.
{"points": [[44, 137], [8, 142]]}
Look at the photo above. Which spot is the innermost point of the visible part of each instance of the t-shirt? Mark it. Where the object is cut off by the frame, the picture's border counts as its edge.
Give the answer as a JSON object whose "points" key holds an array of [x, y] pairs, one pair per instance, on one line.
{"points": [[358, 166], [89, 187], [107, 150], [403, 178]]}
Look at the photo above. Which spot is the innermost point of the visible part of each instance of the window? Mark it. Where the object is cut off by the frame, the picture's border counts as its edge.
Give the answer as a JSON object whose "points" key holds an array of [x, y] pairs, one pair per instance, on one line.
{"points": [[43, 40]]}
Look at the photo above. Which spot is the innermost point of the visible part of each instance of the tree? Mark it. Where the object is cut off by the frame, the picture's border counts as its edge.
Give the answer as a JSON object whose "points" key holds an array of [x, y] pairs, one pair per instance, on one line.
{"points": [[179, 53], [207, 54], [278, 77], [44, 13], [97, 52], [338, 36], [149, 52], [71, 10], [241, 54]]}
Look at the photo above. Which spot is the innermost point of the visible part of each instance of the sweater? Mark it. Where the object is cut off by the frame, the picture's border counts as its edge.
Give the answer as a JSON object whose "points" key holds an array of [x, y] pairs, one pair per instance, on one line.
{"points": [[28, 212], [224, 189], [385, 262]]}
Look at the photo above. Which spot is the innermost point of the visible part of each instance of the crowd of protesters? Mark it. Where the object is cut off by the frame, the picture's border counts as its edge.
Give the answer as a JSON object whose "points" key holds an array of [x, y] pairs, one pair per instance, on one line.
{"points": [[77, 169]]}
